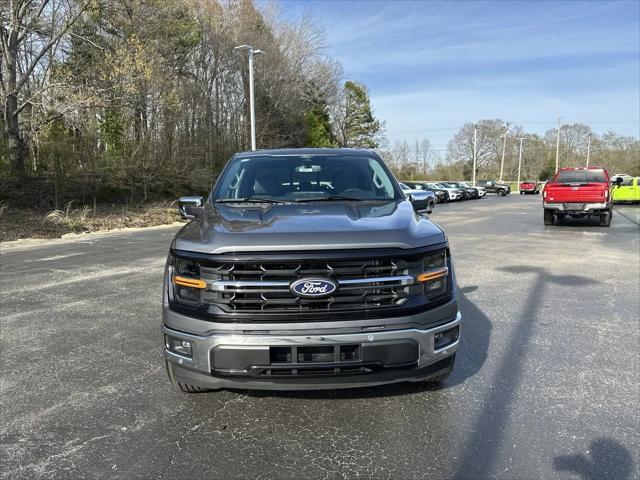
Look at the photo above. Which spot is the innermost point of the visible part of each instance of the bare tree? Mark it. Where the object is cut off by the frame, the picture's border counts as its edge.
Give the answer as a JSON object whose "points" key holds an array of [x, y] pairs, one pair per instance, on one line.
{"points": [[31, 30]]}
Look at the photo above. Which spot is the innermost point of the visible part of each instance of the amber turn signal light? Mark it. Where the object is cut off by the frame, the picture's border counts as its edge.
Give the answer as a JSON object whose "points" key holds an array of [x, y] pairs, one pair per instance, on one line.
{"points": [[189, 282], [433, 274]]}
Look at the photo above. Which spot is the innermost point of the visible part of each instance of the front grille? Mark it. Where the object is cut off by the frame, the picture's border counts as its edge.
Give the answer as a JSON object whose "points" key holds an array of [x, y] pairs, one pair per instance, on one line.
{"points": [[263, 287]]}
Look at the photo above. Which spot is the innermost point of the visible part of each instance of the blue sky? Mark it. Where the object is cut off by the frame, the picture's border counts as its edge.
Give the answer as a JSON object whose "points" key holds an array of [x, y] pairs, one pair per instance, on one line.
{"points": [[432, 66]]}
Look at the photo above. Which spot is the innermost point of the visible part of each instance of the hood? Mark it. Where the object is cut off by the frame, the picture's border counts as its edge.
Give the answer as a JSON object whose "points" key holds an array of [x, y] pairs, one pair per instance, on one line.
{"points": [[312, 226]]}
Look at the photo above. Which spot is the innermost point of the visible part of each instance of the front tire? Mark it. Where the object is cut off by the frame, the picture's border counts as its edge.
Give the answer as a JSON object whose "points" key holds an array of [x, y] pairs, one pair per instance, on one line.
{"points": [[501, 193], [548, 217]]}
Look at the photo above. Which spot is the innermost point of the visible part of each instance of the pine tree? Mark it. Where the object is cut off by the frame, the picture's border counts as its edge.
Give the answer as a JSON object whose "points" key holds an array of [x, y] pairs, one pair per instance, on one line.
{"points": [[358, 127]]}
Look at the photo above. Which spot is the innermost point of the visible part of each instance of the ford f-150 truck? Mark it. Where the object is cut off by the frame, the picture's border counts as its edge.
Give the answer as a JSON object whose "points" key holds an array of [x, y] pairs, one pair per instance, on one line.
{"points": [[492, 186], [578, 192], [307, 269], [528, 186]]}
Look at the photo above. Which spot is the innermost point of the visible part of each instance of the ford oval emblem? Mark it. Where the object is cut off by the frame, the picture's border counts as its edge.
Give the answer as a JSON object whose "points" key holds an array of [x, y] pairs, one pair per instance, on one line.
{"points": [[313, 287]]}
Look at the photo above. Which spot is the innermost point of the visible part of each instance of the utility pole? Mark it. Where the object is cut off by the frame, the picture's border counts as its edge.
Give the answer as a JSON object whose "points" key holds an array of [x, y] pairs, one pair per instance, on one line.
{"points": [[558, 143], [520, 161], [504, 147], [475, 152], [252, 109], [588, 149]]}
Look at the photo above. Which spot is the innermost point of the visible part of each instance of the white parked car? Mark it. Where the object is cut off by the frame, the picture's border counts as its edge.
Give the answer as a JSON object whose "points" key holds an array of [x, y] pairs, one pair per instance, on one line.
{"points": [[454, 193], [481, 190]]}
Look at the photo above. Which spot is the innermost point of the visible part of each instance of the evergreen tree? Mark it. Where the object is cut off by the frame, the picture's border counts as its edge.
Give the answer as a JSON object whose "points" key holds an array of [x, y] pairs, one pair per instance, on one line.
{"points": [[356, 123], [317, 131]]}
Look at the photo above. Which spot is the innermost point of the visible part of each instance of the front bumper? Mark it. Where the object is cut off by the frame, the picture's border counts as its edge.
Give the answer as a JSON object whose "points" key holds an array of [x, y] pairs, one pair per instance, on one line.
{"points": [[216, 354]]}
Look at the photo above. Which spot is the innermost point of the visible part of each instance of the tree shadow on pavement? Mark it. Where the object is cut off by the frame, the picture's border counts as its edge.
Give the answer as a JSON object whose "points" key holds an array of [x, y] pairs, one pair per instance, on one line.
{"points": [[480, 453], [474, 340], [606, 459]]}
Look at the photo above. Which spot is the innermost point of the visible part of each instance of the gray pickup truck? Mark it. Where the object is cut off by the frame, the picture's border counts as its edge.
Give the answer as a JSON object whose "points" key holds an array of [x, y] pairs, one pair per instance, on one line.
{"points": [[307, 269], [493, 186]]}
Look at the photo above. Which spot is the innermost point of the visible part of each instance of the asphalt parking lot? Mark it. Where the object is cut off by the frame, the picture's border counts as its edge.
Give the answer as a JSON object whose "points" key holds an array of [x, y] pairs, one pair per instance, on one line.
{"points": [[546, 383]]}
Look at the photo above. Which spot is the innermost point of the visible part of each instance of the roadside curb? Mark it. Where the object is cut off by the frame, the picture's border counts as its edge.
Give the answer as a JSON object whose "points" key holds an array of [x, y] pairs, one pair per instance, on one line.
{"points": [[26, 243]]}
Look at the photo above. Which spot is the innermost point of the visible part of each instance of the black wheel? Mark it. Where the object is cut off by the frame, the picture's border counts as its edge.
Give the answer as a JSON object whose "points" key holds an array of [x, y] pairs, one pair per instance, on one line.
{"points": [[501, 193], [440, 378], [605, 219], [548, 217], [521, 192]]}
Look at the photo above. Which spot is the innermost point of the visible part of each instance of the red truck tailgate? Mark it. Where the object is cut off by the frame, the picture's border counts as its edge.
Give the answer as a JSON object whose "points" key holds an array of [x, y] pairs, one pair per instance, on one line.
{"points": [[590, 193]]}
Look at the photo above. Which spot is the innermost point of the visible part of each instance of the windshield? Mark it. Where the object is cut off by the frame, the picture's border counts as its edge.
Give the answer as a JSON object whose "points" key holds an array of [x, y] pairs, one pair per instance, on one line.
{"points": [[581, 176], [291, 178]]}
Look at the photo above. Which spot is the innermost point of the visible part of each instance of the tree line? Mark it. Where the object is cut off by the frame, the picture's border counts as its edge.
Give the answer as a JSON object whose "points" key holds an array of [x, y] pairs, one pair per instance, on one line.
{"points": [[127, 100], [616, 153]]}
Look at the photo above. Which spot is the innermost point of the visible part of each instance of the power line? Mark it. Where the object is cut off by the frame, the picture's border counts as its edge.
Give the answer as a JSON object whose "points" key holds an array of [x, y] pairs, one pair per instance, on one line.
{"points": [[520, 123]]}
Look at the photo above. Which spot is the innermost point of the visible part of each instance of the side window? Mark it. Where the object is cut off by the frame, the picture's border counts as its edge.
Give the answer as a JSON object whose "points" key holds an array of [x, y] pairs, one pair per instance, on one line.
{"points": [[638, 182]]}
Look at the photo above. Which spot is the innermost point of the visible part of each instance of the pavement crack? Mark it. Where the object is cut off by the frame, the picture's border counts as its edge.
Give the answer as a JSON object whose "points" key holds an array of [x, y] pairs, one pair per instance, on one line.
{"points": [[194, 428]]}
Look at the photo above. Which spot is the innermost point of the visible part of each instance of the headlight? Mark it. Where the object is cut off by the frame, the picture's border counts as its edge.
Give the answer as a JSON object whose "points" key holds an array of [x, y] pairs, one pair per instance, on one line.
{"points": [[184, 279], [435, 274]]}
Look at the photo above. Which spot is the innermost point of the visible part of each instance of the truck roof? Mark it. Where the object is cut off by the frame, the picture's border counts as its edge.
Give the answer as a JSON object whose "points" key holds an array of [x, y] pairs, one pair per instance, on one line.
{"points": [[581, 168], [306, 151]]}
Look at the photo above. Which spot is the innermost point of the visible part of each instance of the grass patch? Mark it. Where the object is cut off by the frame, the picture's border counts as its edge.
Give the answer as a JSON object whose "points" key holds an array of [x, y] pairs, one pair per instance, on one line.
{"points": [[23, 223]]}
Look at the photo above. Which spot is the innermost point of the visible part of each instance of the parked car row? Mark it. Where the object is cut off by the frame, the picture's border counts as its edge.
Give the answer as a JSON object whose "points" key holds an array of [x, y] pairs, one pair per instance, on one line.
{"points": [[449, 191]]}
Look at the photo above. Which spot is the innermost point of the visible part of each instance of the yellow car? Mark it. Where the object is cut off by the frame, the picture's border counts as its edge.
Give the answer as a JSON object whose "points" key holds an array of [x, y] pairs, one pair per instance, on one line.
{"points": [[628, 190]]}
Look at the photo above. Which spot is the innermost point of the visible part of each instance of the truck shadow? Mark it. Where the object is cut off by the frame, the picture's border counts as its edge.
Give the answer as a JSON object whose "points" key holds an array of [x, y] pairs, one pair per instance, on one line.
{"points": [[472, 353], [480, 452], [606, 458], [579, 222]]}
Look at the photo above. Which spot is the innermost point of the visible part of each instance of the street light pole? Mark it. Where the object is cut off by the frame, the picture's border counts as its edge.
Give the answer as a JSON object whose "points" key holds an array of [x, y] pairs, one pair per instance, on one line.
{"points": [[252, 109], [504, 147], [588, 149], [520, 161], [558, 143], [475, 154]]}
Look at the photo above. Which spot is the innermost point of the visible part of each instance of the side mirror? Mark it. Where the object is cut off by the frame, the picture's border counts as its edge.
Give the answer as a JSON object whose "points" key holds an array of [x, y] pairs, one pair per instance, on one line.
{"points": [[190, 207], [618, 181]]}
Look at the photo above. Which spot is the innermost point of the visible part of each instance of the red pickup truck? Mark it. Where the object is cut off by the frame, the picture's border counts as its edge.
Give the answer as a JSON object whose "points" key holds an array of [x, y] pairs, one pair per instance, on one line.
{"points": [[578, 192], [528, 186]]}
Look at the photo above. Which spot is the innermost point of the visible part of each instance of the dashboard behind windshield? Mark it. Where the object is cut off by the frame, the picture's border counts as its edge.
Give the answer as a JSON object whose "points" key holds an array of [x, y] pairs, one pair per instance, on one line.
{"points": [[299, 177]]}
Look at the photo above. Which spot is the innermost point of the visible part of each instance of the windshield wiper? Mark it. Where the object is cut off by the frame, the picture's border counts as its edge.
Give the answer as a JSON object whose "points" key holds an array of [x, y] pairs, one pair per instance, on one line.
{"points": [[250, 200], [333, 198]]}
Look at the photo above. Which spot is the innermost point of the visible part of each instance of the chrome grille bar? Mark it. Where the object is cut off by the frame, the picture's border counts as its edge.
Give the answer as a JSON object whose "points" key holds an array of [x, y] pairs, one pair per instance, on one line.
{"points": [[223, 285]]}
